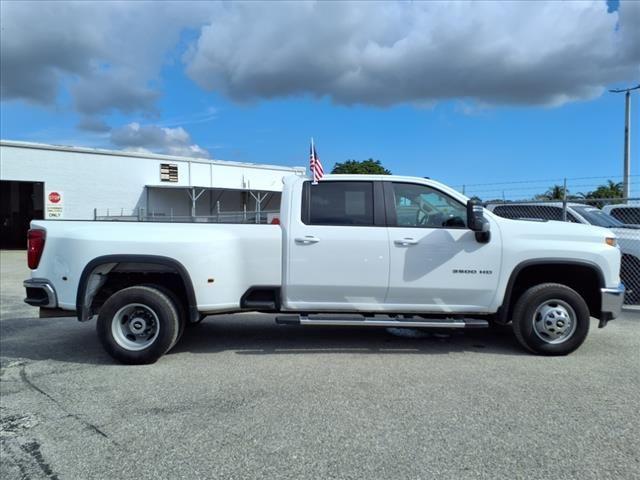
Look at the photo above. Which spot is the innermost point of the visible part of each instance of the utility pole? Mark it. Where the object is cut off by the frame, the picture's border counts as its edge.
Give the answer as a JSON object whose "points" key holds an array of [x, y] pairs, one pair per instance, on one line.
{"points": [[626, 182], [564, 200]]}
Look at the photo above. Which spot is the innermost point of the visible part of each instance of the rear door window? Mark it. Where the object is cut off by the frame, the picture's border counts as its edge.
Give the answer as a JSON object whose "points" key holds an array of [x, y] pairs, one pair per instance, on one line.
{"points": [[338, 203], [627, 215], [534, 212]]}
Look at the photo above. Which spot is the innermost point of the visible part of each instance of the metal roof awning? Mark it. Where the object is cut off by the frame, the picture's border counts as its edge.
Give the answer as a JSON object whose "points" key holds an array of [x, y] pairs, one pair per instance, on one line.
{"points": [[188, 187], [150, 156], [194, 193]]}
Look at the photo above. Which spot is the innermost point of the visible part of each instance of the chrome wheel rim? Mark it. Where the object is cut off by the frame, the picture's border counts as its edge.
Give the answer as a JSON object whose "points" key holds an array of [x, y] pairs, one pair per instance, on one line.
{"points": [[554, 321], [135, 327]]}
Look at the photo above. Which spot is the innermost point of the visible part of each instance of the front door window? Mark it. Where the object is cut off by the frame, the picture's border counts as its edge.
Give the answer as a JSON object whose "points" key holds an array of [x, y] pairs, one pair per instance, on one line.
{"points": [[423, 206]]}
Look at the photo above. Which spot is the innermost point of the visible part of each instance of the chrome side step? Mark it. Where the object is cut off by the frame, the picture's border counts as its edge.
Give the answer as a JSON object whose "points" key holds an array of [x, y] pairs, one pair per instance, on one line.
{"points": [[382, 321]]}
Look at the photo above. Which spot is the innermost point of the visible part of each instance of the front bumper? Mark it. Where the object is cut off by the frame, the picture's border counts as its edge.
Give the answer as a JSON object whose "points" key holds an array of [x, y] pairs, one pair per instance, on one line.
{"points": [[40, 293], [612, 300]]}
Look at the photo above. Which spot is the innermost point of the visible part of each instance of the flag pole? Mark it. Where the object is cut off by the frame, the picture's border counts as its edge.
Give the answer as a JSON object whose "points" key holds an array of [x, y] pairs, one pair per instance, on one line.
{"points": [[313, 154]]}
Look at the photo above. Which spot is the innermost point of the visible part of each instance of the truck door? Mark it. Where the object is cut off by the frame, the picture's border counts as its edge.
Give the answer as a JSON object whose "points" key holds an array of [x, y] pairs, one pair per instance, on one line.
{"points": [[436, 263], [336, 248]]}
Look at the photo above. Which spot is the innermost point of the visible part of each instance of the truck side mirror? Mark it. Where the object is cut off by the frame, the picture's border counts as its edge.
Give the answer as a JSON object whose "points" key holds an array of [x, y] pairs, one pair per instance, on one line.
{"points": [[477, 223]]}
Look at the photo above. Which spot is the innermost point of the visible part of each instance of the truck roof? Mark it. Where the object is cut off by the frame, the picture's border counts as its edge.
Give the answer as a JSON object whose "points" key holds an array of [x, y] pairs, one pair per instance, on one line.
{"points": [[396, 178]]}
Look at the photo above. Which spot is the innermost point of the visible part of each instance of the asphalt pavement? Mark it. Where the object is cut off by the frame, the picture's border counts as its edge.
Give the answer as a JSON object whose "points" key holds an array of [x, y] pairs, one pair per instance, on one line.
{"points": [[240, 397]]}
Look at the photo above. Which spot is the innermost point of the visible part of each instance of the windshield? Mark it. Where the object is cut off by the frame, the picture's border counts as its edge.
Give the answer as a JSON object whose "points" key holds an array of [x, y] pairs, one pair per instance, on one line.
{"points": [[595, 216]]}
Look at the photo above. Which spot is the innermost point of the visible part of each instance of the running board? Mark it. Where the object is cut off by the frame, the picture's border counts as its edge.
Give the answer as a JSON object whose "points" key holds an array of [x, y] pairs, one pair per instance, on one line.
{"points": [[383, 322]]}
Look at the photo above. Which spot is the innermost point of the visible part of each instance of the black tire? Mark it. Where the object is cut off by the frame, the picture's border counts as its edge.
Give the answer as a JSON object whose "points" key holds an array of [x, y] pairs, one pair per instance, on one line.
{"points": [[526, 318], [180, 306], [149, 301]]}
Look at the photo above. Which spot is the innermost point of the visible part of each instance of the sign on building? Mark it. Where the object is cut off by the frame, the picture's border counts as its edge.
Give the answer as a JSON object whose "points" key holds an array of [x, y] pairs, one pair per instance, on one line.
{"points": [[54, 205], [168, 172]]}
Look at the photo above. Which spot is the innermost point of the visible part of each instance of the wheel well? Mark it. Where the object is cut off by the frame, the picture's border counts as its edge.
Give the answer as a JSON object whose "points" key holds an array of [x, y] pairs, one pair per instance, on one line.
{"points": [[104, 277], [117, 280], [584, 279]]}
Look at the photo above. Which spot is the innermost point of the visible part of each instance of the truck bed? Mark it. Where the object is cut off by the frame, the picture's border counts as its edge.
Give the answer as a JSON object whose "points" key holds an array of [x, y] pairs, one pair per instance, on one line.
{"points": [[223, 260]]}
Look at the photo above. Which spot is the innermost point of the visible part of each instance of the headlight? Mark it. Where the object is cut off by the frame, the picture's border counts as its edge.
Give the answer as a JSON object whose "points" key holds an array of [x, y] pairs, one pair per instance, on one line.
{"points": [[611, 241]]}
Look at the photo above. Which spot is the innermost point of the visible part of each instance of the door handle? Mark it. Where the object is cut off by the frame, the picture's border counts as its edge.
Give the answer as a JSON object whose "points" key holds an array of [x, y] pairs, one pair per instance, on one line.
{"points": [[307, 240], [406, 241]]}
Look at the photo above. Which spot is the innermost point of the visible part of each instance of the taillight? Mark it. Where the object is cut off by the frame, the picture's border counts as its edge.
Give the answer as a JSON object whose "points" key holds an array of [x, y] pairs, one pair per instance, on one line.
{"points": [[35, 246]]}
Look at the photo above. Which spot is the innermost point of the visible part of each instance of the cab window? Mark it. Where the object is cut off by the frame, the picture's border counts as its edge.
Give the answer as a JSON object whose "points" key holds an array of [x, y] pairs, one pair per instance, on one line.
{"points": [[338, 203], [423, 206]]}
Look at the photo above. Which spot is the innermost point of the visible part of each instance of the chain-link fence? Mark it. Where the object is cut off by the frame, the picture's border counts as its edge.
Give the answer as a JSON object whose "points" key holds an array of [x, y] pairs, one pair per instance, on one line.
{"points": [[595, 200], [620, 215]]}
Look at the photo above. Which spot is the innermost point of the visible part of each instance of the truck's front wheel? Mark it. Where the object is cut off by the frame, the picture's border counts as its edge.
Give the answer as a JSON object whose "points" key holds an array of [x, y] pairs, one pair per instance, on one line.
{"points": [[551, 319], [138, 325]]}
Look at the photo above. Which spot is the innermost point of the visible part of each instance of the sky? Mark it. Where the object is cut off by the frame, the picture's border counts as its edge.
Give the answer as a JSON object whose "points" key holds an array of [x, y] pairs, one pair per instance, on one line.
{"points": [[467, 93]]}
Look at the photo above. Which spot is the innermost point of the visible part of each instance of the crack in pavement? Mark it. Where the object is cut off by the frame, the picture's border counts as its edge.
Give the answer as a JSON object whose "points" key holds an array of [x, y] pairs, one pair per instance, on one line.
{"points": [[33, 449], [14, 450], [87, 424], [25, 454], [13, 460]]}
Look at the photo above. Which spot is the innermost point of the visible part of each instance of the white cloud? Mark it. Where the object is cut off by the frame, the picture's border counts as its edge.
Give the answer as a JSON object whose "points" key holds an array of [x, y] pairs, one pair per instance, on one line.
{"points": [[101, 93], [152, 138], [383, 53], [93, 124], [109, 53]]}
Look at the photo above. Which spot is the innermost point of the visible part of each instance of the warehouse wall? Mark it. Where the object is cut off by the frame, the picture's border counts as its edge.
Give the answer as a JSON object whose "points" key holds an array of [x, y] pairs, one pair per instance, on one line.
{"points": [[84, 181], [88, 180]]}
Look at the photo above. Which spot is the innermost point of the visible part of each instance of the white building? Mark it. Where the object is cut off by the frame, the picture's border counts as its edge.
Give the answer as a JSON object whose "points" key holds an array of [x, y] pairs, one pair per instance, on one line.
{"points": [[72, 183]]}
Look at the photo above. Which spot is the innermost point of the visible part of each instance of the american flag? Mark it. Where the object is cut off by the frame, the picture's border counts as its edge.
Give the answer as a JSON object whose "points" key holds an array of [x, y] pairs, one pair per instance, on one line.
{"points": [[314, 164]]}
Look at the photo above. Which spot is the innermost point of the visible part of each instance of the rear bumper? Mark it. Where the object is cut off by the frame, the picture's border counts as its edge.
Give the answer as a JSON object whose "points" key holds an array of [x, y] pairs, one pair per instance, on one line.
{"points": [[40, 293], [612, 300]]}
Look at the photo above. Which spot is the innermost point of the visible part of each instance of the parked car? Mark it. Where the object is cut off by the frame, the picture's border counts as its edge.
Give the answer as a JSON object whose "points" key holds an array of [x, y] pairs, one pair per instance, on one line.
{"points": [[627, 214], [341, 248], [628, 236]]}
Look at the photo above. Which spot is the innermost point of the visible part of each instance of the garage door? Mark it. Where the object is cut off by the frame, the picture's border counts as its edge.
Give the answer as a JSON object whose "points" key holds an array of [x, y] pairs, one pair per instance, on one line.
{"points": [[20, 202]]}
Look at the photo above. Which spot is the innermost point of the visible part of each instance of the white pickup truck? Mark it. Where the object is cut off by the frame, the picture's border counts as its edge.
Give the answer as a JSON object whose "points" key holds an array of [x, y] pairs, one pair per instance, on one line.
{"points": [[351, 250]]}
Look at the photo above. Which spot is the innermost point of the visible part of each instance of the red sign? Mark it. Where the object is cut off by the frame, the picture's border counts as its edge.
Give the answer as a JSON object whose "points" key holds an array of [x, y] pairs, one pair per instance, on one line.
{"points": [[54, 197]]}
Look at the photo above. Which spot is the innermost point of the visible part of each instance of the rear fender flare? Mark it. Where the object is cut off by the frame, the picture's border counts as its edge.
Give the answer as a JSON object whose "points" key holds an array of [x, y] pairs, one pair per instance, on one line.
{"points": [[92, 278]]}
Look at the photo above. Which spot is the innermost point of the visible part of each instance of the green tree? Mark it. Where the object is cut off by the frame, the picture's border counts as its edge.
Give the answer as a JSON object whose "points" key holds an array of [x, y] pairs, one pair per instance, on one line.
{"points": [[556, 192], [370, 167], [610, 189]]}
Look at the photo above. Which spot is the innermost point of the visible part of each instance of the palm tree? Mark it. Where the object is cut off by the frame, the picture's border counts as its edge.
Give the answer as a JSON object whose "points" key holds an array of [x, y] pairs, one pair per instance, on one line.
{"points": [[556, 192], [610, 189]]}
